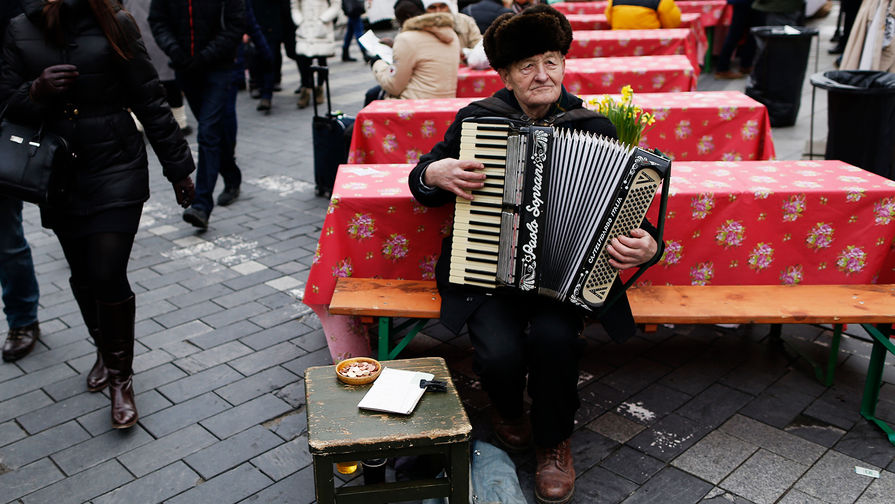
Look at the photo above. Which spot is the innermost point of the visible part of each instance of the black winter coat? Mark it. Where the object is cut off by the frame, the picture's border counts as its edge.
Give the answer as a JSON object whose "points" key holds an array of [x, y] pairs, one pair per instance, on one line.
{"points": [[111, 169], [458, 303], [209, 30], [485, 12]]}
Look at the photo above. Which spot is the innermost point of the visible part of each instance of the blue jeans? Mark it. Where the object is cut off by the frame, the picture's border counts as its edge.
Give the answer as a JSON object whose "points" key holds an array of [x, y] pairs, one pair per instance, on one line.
{"points": [[20, 291], [354, 29], [208, 94]]}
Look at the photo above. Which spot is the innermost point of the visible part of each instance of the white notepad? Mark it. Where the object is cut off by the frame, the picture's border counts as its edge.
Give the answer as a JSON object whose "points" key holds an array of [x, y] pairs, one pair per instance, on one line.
{"points": [[395, 391], [371, 43]]}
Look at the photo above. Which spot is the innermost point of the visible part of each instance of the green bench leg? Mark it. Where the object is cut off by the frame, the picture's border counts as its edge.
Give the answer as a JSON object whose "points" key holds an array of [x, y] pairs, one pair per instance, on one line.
{"points": [[881, 344], [824, 374], [386, 328]]}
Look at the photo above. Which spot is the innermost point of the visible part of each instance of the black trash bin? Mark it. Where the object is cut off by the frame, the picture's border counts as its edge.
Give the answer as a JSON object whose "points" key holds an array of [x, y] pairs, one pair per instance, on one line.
{"points": [[779, 70], [860, 118]]}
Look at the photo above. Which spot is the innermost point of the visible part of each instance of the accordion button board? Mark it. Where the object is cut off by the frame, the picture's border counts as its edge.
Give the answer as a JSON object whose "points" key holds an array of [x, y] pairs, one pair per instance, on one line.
{"points": [[551, 202]]}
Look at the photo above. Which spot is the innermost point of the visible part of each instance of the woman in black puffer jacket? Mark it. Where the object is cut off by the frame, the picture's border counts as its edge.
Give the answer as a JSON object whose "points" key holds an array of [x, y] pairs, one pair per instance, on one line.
{"points": [[78, 66]]}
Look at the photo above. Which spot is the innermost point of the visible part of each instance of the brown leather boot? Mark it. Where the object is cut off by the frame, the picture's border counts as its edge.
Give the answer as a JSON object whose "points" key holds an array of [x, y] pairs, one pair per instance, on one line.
{"points": [[98, 377], [555, 475], [116, 324], [514, 435], [20, 341]]}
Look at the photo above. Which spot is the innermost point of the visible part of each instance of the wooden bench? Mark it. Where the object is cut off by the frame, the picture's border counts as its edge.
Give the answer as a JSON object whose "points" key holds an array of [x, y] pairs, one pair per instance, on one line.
{"points": [[872, 306]]}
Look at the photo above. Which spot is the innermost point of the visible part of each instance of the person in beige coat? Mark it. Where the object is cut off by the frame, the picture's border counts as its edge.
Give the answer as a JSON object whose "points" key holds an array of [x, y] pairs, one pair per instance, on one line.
{"points": [[426, 58], [870, 45], [314, 38], [464, 26]]}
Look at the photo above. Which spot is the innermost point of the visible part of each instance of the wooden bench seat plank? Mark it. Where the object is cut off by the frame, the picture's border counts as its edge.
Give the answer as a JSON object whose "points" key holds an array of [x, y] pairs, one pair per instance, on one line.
{"points": [[386, 298], [763, 304]]}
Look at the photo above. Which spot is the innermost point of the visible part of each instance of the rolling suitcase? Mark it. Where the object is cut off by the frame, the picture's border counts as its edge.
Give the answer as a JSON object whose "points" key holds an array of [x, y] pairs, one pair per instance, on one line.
{"points": [[331, 136]]}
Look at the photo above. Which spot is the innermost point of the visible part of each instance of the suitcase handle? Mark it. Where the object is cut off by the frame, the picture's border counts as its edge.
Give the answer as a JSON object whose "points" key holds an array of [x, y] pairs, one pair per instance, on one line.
{"points": [[323, 74]]}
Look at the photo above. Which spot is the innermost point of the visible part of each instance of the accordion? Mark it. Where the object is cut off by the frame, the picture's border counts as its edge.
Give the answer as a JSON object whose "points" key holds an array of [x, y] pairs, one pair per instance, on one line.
{"points": [[551, 202]]}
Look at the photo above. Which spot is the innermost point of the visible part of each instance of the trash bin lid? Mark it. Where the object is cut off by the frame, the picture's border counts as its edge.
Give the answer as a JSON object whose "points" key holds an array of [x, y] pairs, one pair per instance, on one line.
{"points": [[783, 31], [855, 81]]}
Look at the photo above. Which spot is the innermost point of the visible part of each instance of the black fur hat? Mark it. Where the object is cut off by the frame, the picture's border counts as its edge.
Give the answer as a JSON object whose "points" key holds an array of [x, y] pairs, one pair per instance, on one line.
{"points": [[536, 30]]}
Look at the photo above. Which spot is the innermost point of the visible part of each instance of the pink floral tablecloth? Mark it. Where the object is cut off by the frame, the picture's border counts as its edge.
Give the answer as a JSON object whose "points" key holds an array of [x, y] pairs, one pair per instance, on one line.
{"points": [[712, 12], [599, 22], [728, 223], [602, 43], [695, 126], [648, 74]]}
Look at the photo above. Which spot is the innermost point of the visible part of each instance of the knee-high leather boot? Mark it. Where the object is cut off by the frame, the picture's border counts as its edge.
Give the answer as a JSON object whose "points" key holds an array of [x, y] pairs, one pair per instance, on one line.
{"points": [[116, 324], [98, 377]]}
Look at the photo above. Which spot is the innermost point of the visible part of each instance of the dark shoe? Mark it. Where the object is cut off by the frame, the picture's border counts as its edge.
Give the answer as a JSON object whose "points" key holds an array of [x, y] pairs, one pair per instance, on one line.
{"points": [[116, 323], [196, 217], [98, 377], [346, 57], [514, 435], [263, 105], [228, 196], [255, 93], [555, 475], [728, 74], [20, 341], [839, 49], [277, 87]]}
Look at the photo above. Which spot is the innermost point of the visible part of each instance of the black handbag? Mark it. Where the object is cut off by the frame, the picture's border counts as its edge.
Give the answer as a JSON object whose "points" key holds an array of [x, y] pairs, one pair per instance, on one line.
{"points": [[29, 159]]}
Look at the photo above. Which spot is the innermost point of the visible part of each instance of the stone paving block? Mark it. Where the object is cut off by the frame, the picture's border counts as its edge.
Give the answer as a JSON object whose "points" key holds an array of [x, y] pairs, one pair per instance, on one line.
{"points": [[100, 449], [294, 393], [82, 487], [600, 485], [714, 456], [866, 442], [157, 376], [181, 349], [615, 426], [280, 300], [66, 388], [235, 314], [28, 479], [242, 417], [188, 313], [289, 425], [278, 316], [313, 340], [777, 406], [62, 411], [773, 440], [100, 420], [247, 281], [651, 404], [285, 459], [222, 335], [230, 487], [669, 437], [9, 372], [180, 333], [602, 394], [319, 358], [245, 296], [796, 497], [635, 375], [269, 357], [166, 293], [21, 405], [155, 487], [149, 360], [199, 383], [589, 448], [195, 296], [212, 357], [166, 450], [55, 356], [814, 430], [670, 485], [261, 383], [632, 464], [44, 443], [880, 491], [295, 489], [764, 477], [154, 309], [833, 478], [10, 432], [714, 405], [180, 415], [277, 334], [33, 381]]}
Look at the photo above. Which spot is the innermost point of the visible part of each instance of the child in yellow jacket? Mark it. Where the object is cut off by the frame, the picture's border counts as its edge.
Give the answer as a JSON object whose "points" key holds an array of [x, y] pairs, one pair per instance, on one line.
{"points": [[642, 14]]}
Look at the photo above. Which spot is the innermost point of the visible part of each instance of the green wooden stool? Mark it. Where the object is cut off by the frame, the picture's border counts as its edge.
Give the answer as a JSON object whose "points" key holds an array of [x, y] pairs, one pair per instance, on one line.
{"points": [[339, 432]]}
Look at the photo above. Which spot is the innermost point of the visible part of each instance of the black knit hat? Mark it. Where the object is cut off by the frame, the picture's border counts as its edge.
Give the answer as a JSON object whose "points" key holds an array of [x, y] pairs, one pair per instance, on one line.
{"points": [[536, 30]]}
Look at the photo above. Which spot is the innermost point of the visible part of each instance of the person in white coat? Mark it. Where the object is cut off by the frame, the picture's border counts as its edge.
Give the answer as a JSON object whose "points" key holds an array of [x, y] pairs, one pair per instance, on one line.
{"points": [[314, 39]]}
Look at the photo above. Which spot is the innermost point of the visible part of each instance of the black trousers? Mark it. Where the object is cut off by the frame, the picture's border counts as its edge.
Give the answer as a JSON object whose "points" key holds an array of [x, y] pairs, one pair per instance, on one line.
{"points": [[512, 336]]}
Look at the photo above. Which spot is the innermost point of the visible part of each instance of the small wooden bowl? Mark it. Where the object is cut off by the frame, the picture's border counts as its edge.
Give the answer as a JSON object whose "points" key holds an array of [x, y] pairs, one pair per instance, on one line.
{"points": [[360, 380]]}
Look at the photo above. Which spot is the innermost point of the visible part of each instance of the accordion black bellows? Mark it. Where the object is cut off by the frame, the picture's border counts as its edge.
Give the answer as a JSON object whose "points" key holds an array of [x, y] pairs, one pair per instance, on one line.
{"points": [[553, 199]]}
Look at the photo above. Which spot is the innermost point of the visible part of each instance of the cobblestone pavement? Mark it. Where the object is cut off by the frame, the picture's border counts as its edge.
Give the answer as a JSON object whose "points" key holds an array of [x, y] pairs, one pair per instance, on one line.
{"points": [[682, 415]]}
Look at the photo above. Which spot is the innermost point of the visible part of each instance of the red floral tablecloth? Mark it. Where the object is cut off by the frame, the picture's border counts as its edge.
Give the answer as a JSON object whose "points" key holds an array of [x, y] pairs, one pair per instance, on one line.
{"points": [[728, 223], [601, 43], [712, 12], [700, 126], [599, 22], [599, 75]]}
